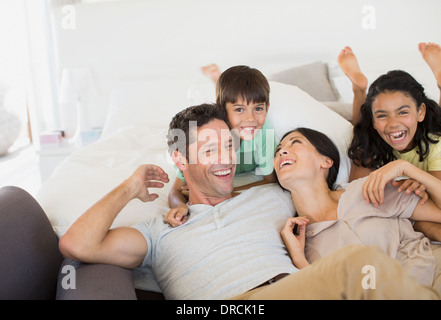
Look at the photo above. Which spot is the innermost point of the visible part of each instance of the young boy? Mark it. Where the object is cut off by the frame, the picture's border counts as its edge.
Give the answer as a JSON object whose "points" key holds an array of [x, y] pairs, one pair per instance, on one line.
{"points": [[244, 93]]}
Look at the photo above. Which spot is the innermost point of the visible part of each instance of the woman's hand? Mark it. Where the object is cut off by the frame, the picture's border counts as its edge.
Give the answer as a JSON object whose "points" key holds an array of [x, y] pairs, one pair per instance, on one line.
{"points": [[177, 216], [296, 243]]}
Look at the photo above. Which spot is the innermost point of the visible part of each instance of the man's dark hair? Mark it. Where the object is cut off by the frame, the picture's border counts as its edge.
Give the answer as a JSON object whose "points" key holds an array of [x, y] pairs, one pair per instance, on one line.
{"points": [[179, 137]]}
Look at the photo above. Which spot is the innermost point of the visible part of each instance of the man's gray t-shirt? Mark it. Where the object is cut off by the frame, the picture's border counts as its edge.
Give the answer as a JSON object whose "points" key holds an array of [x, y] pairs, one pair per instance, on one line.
{"points": [[222, 250]]}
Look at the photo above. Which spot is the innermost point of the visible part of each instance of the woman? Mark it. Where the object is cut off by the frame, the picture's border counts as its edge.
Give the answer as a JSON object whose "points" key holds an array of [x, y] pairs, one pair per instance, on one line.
{"points": [[369, 211]]}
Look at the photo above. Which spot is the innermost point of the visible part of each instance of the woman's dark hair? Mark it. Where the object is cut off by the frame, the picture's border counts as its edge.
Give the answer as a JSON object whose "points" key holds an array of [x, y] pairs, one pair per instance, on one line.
{"points": [[367, 148], [325, 147]]}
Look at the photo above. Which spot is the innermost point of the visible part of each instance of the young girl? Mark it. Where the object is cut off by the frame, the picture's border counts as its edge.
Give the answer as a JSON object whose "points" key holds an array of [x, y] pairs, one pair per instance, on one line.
{"points": [[395, 120], [431, 53], [244, 93], [306, 163]]}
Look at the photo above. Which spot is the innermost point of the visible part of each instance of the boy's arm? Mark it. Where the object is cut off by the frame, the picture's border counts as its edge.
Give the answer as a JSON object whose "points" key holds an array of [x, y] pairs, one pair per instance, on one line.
{"points": [[178, 204], [432, 230], [430, 211], [89, 239], [358, 172], [176, 198], [271, 178]]}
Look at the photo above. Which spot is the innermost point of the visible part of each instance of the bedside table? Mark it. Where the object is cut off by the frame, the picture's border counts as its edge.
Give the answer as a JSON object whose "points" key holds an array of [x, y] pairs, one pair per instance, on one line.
{"points": [[49, 158]]}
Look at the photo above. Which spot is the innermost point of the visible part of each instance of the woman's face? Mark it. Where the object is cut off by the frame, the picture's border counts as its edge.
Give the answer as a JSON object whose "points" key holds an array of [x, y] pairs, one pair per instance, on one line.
{"points": [[296, 159], [395, 117]]}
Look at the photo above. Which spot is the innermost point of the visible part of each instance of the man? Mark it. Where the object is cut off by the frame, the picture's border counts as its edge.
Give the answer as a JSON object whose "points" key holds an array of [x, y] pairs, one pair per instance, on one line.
{"points": [[230, 247]]}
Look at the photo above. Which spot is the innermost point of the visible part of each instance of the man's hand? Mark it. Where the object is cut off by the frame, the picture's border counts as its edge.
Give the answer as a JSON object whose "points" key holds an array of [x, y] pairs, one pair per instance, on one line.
{"points": [[90, 238], [146, 176], [410, 186]]}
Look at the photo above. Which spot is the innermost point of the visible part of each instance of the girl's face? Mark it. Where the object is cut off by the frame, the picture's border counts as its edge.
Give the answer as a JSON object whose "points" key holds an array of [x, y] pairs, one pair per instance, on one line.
{"points": [[396, 117], [246, 118]]}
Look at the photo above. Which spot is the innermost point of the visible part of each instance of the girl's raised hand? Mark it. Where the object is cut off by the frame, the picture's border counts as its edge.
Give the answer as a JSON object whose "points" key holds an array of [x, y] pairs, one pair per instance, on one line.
{"points": [[373, 187]]}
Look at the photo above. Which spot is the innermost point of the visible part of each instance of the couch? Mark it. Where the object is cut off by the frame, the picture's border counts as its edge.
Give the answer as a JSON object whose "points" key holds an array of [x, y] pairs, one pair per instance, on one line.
{"points": [[33, 268]]}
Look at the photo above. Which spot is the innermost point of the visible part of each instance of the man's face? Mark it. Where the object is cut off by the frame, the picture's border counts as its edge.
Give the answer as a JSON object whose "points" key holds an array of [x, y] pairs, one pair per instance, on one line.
{"points": [[212, 160]]}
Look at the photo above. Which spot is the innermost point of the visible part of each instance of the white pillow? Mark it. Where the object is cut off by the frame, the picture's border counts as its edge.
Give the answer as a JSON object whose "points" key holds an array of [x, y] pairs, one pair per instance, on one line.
{"points": [[88, 174], [146, 103], [202, 93], [291, 108], [342, 108]]}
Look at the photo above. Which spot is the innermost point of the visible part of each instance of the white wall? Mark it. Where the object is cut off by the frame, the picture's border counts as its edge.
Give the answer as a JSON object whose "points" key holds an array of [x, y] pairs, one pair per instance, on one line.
{"points": [[162, 38]]}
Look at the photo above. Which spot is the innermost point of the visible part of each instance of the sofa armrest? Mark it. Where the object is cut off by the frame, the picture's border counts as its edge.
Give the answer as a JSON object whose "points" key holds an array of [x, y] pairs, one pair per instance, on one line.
{"points": [[80, 281], [29, 253]]}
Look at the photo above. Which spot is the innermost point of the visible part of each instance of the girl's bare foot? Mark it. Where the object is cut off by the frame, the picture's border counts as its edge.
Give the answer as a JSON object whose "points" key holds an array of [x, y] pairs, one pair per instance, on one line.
{"points": [[432, 55], [349, 64], [212, 71]]}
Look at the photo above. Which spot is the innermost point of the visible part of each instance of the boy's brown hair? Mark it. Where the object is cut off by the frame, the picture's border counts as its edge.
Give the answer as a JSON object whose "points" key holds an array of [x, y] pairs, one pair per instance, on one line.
{"points": [[244, 82]]}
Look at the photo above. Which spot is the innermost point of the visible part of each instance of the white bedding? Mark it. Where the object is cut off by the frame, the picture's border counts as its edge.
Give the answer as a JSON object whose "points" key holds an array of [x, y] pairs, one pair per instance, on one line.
{"points": [[89, 173]]}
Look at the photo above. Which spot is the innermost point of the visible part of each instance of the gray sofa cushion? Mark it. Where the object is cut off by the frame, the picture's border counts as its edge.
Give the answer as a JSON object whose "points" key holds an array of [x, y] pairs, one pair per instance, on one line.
{"points": [[312, 78], [81, 281], [30, 259]]}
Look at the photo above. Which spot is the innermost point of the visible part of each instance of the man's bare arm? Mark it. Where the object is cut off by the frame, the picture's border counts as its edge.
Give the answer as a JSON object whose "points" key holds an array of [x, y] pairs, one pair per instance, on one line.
{"points": [[89, 238]]}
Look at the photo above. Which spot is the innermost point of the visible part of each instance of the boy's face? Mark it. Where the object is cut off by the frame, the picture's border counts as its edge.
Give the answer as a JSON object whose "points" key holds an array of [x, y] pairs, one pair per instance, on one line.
{"points": [[246, 118]]}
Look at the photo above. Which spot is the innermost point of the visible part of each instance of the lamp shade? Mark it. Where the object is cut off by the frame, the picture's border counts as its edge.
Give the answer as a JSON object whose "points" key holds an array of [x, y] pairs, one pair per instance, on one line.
{"points": [[76, 86]]}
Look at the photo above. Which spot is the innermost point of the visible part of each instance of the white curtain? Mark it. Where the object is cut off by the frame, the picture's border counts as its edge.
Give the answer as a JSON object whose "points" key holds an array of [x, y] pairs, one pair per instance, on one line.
{"points": [[13, 61], [64, 2], [41, 77]]}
